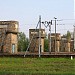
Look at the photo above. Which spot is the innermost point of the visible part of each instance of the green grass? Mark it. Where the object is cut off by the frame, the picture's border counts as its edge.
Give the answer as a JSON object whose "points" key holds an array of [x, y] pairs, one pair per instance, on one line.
{"points": [[31, 66]]}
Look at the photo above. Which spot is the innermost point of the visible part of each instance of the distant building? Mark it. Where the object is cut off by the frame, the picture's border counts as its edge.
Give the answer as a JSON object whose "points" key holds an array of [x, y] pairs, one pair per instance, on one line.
{"points": [[58, 39], [65, 44], [34, 39], [62, 43], [8, 36]]}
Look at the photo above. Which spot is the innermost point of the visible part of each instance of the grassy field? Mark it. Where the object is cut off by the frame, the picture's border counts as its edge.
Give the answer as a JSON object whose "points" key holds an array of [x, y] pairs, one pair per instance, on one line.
{"points": [[37, 66]]}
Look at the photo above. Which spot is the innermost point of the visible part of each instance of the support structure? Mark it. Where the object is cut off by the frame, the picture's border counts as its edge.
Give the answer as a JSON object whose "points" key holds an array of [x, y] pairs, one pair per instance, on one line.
{"points": [[36, 39], [30, 41], [74, 38], [55, 34], [50, 36], [39, 36]]}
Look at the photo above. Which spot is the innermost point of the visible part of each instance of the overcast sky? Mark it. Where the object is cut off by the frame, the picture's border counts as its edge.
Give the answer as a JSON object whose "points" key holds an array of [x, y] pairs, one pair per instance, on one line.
{"points": [[27, 12]]}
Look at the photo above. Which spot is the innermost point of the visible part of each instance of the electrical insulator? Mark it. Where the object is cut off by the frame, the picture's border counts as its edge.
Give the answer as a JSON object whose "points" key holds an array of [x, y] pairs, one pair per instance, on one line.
{"points": [[51, 22]]}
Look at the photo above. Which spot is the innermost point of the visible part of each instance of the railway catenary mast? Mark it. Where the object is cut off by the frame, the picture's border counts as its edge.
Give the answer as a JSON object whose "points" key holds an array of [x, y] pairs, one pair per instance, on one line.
{"points": [[36, 36], [39, 36], [74, 38]]}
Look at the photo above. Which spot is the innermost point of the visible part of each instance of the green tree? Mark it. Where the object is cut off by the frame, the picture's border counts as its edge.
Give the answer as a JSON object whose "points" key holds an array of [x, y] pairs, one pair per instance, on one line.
{"points": [[46, 44], [22, 41], [68, 35]]}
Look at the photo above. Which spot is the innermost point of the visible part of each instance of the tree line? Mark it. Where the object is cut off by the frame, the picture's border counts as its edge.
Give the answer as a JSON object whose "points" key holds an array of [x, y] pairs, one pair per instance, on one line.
{"points": [[23, 41]]}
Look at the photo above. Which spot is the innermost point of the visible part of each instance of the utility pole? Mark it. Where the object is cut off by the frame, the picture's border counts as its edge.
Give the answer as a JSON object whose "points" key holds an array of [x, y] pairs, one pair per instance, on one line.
{"points": [[55, 33], [50, 36], [39, 36], [74, 38]]}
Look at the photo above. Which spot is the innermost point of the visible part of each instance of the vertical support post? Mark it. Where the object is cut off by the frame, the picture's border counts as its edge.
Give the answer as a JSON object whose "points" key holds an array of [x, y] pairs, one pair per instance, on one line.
{"points": [[74, 38], [50, 38], [39, 36], [55, 34]]}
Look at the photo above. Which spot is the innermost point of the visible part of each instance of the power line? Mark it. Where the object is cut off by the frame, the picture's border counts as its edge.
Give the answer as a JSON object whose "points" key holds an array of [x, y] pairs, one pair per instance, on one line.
{"points": [[62, 29], [67, 19]]}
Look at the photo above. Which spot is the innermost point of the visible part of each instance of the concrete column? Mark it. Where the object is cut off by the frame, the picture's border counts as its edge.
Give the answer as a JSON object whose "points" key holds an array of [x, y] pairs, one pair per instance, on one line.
{"points": [[42, 44], [58, 46], [67, 47]]}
